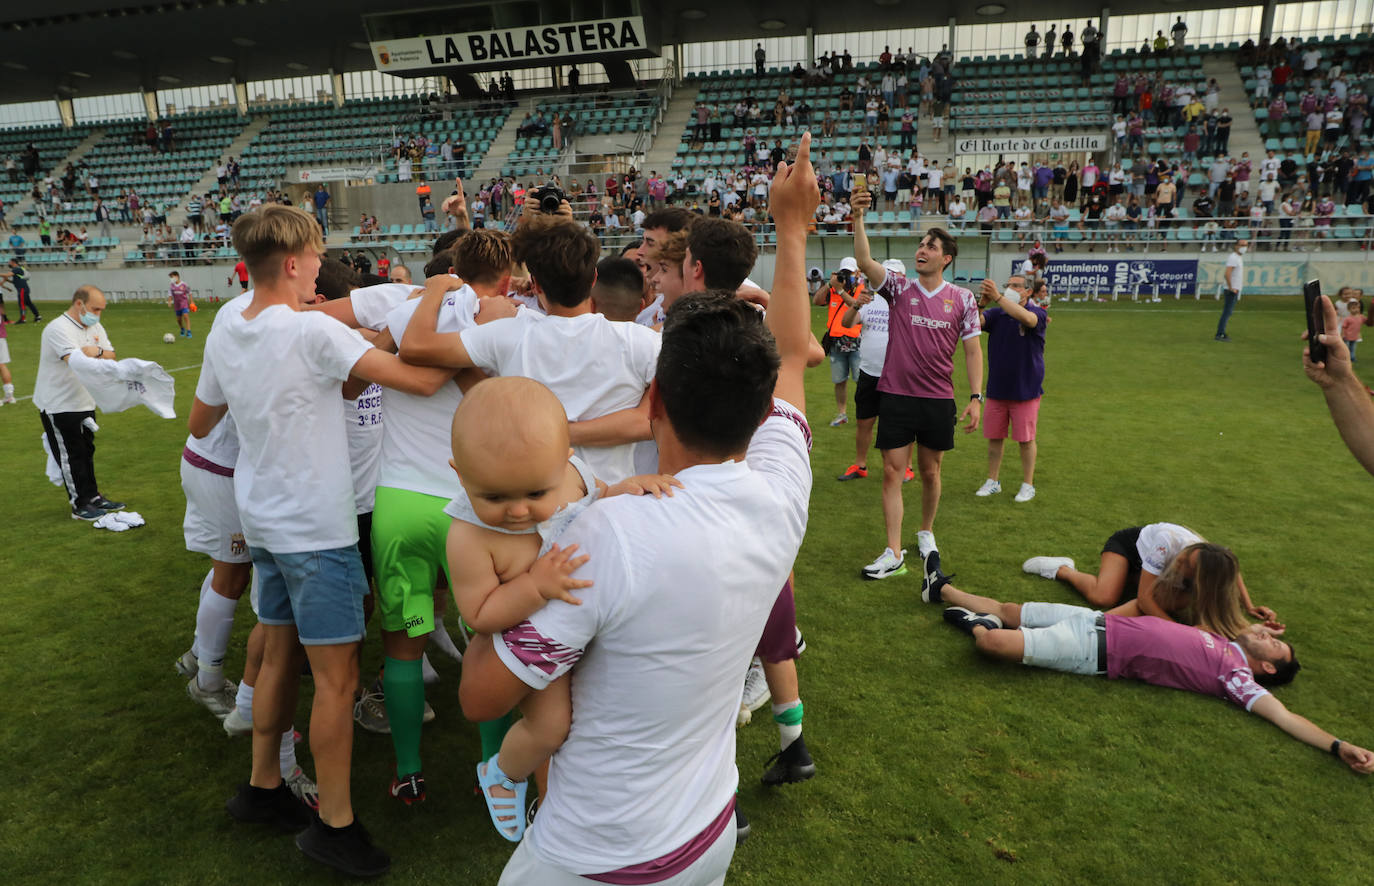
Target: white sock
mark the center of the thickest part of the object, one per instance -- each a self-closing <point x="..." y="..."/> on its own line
<point x="287" y="754"/>
<point x="787" y="734"/>
<point x="214" y="623"/>
<point x="441" y="639"/>
<point x="9" y="391"/>
<point x="204" y="589"/>
<point x="925" y="542"/>
<point x="244" y="701"/>
<point x="427" y="672"/>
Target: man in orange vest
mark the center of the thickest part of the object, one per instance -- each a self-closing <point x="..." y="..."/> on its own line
<point x="842" y="342"/>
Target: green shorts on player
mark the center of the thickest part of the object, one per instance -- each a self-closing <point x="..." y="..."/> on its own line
<point x="409" y="534"/>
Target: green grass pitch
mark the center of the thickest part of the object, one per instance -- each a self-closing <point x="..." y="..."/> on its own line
<point x="934" y="766"/>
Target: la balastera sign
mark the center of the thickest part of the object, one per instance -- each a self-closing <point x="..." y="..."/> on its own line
<point x="1030" y="144"/>
<point x="515" y="46"/>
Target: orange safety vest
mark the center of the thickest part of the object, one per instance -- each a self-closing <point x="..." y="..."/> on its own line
<point x="837" y="309"/>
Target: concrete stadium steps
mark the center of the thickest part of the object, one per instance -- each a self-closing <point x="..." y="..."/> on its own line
<point x="210" y="181"/>
<point x="1245" y="134"/>
<point x="82" y="148"/>
<point x="680" y="108"/>
<point x="504" y="143"/>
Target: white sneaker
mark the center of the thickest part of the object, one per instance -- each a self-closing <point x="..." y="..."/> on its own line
<point x="887" y="564"/>
<point x="1026" y="494"/>
<point x="236" y="724"/>
<point x="841" y="419"/>
<point x="925" y="543"/>
<point x="756" y="693"/>
<point x="218" y="701"/>
<point x="1046" y="567"/>
<point x="989" y="487"/>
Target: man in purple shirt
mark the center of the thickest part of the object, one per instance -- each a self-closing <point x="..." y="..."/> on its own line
<point x="929" y="318"/>
<point x="1016" y="370"/>
<point x="1077" y="640"/>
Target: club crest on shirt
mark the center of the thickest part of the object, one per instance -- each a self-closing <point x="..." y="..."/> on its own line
<point x="237" y="545"/>
<point x="949" y="305"/>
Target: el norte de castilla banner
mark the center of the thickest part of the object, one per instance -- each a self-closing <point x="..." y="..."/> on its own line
<point x="515" y="47"/>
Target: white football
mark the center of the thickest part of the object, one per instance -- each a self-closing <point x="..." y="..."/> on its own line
<point x="169" y="338"/>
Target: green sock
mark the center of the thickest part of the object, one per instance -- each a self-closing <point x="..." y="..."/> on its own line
<point x="492" y="732"/>
<point x="405" y="709"/>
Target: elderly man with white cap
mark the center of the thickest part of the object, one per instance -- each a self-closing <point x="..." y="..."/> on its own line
<point x="872" y="314"/>
<point x="841" y="341"/>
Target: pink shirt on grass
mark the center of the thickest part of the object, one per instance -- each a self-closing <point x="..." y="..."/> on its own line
<point x="924" y="329"/>
<point x="1177" y="656"/>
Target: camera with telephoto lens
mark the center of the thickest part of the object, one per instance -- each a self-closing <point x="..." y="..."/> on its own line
<point x="549" y="197"/>
<point x="845" y="276"/>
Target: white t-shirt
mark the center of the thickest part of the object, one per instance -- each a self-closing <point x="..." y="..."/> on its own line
<point x="364" y="424"/>
<point x="279" y="373"/>
<point x="417" y="432"/>
<point x="56" y="389"/>
<point x="371" y="304"/>
<point x="653" y="314"/>
<point x="1238" y="275"/>
<point x="595" y="367"/>
<point x="659" y="647"/>
<point x="1160" y="542"/>
<point x="873" y="337"/>
<point x="1267" y="191"/>
<point x="221" y="445"/>
<point x="933" y="178"/>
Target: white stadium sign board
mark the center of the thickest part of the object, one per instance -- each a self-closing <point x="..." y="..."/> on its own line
<point x="538" y="43"/>
<point x="1030" y="144"/>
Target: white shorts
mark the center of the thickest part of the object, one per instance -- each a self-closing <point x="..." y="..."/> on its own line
<point x="211" y="525"/>
<point x="4" y="350"/>
<point x="1060" y="637"/>
<point x="708" y="870"/>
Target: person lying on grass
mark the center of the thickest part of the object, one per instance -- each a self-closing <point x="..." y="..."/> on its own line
<point x="1078" y="640"/>
<point x="1133" y="561"/>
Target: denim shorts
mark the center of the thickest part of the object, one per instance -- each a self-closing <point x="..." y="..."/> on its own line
<point x="843" y="365"/>
<point x="320" y="592"/>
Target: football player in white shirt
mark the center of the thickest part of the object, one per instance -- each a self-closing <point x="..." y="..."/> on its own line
<point x="662" y="809"/>
<point x="212" y="527"/>
<point x="280" y="371"/>
<point x="413" y="485"/>
<point x="600" y="370"/>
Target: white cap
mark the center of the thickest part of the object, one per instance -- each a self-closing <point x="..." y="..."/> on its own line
<point x="895" y="265"/>
<point x="849" y="264"/>
<point x="814" y="272"/>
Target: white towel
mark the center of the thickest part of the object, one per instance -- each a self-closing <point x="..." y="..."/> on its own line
<point x="131" y="519"/>
<point x="109" y="522"/>
<point x="51" y="468"/>
<point x="117" y="385"/>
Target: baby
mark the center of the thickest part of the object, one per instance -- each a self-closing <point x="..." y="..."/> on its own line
<point x="520" y="488"/>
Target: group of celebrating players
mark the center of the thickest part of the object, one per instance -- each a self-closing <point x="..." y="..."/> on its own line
<point x="606" y="463"/>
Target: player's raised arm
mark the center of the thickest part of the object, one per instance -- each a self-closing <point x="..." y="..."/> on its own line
<point x="792" y="203"/>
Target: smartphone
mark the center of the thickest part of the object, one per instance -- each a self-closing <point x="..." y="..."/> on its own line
<point x="1311" y="291"/>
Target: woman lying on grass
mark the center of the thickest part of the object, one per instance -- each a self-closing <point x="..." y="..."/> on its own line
<point x="1165" y="570"/>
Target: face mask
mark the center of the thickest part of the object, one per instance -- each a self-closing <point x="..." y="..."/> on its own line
<point x="89" y="319"/>
<point x="1244" y="249"/>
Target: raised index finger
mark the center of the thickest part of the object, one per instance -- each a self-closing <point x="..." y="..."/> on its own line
<point x="803" y="149"/>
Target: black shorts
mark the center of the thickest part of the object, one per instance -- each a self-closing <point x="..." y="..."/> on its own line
<point x="926" y="421"/>
<point x="866" y="397"/>
<point x="1123" y="542"/>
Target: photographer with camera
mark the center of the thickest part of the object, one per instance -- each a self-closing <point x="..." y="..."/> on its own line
<point x="841" y="342"/>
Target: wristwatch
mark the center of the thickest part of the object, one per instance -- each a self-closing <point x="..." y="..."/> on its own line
<point x="978" y="397"/>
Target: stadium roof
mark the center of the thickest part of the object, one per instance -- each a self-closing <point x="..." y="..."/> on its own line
<point x="75" y="48"/>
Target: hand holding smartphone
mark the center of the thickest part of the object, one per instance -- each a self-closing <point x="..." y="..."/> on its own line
<point x="1311" y="292"/>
